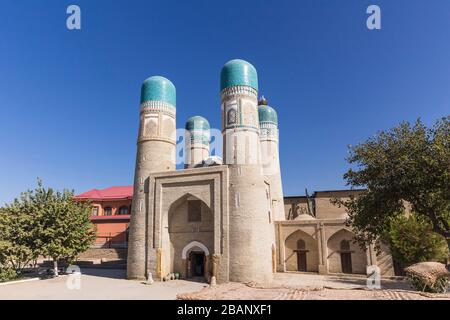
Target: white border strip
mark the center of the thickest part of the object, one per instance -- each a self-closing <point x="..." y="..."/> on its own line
<point x="18" y="281"/>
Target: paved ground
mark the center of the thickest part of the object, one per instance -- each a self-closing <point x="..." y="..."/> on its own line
<point x="296" y="286"/>
<point x="98" y="284"/>
<point x="111" y="284"/>
<point x="309" y="280"/>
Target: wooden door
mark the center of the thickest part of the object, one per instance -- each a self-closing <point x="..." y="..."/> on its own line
<point x="346" y="262"/>
<point x="301" y="260"/>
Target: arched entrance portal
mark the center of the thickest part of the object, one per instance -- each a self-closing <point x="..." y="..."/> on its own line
<point x="196" y="257"/>
<point x="191" y="235"/>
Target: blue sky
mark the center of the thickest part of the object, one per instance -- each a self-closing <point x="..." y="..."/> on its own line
<point x="69" y="100"/>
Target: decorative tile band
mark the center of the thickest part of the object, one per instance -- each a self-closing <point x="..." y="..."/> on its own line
<point x="240" y="128"/>
<point x="199" y="138"/>
<point x="268" y="131"/>
<point x="158" y="106"/>
<point x="238" y="90"/>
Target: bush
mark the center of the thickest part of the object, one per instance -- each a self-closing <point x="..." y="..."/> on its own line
<point x="8" y="274"/>
<point x="439" y="286"/>
<point x="412" y="240"/>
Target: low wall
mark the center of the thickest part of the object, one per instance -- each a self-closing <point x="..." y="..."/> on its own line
<point x="104" y="253"/>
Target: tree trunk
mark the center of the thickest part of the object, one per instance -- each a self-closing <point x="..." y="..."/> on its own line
<point x="448" y="256"/>
<point x="55" y="267"/>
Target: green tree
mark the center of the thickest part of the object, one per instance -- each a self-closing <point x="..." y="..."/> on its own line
<point x="411" y="240"/>
<point x="19" y="242"/>
<point x="45" y="222"/>
<point x="409" y="164"/>
<point x="65" y="227"/>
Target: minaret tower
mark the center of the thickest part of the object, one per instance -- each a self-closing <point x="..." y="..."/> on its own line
<point x="196" y="141"/>
<point x="268" y="135"/>
<point x="250" y="218"/>
<point x="156" y="147"/>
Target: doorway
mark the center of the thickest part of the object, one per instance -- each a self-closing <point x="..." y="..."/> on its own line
<point x="301" y="260"/>
<point x="301" y="255"/>
<point x="346" y="257"/>
<point x="197" y="264"/>
<point x="346" y="262"/>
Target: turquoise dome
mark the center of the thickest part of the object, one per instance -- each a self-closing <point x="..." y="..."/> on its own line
<point x="267" y="114"/>
<point x="197" y="123"/>
<point x="238" y="73"/>
<point x="158" y="88"/>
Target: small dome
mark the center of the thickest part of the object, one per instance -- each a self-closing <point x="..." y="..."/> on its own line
<point x="267" y="114"/>
<point x="238" y="73"/>
<point x="158" y="88"/>
<point x="197" y="123"/>
<point x="304" y="217"/>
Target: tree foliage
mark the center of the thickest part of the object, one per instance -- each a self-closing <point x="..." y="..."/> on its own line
<point x="19" y="238"/>
<point x="411" y="240"/>
<point x="44" y="222"/>
<point x="407" y="166"/>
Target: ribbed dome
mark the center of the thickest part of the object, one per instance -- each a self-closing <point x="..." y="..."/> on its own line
<point x="158" y="88"/>
<point x="197" y="123"/>
<point x="267" y="114"/>
<point x="238" y="73"/>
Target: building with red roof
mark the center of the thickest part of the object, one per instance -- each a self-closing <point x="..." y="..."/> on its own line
<point x="110" y="213"/>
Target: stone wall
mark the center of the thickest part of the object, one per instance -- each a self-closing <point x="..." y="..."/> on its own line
<point x="110" y="254"/>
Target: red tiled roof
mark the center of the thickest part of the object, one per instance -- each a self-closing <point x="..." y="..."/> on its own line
<point x="119" y="192"/>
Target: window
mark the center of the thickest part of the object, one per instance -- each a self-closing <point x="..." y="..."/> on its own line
<point x="231" y="117"/>
<point x="194" y="211"/>
<point x="108" y="211"/>
<point x="345" y="245"/>
<point x="124" y="210"/>
<point x="301" y="245"/>
<point x="95" y="211"/>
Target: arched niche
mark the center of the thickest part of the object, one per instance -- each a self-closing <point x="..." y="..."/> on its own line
<point x="191" y="234"/>
<point x="344" y="255"/>
<point x="301" y="252"/>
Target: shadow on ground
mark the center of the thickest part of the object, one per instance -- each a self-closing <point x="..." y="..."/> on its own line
<point x="105" y="273"/>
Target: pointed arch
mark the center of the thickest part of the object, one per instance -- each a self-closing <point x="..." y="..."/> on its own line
<point x="342" y="231"/>
<point x="301" y="252"/>
<point x="191" y="245"/>
<point x="344" y="255"/>
<point x="185" y="197"/>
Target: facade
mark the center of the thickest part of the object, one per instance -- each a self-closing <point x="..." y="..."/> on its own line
<point x="315" y="238"/>
<point x="229" y="221"/>
<point x="111" y="209"/>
